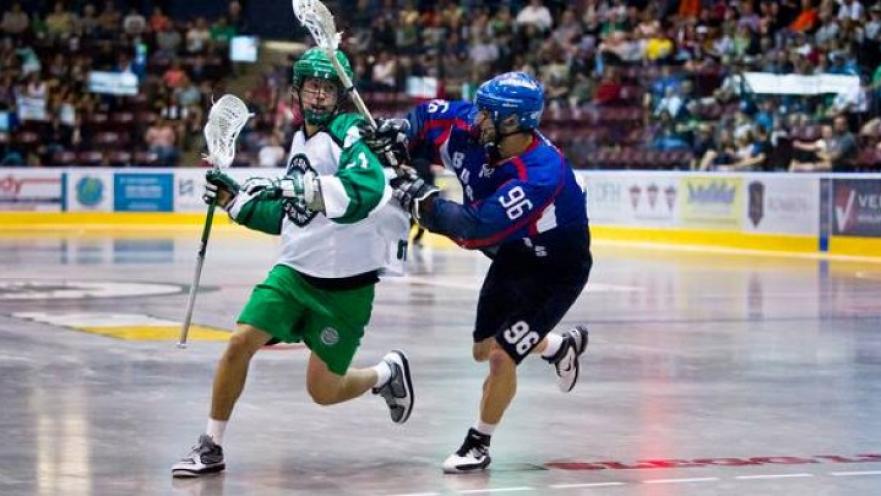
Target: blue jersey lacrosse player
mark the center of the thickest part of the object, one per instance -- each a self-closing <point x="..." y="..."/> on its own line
<point x="523" y="208"/>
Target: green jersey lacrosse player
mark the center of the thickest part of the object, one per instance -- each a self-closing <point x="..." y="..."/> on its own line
<point x="338" y="231"/>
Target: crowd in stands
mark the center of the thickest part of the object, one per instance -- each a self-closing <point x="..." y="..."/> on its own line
<point x="630" y="83"/>
<point x="49" y="115"/>
<point x="647" y="84"/>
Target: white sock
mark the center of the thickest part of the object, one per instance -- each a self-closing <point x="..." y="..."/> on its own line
<point x="383" y="373"/>
<point x="215" y="429"/>
<point x="554" y="342"/>
<point x="484" y="428"/>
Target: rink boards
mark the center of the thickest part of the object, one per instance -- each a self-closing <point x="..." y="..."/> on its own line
<point x="807" y="213"/>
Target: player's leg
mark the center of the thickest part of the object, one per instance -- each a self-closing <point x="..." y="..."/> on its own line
<point x="497" y="295"/>
<point x="206" y="456"/>
<point x="333" y="330"/>
<point x="232" y="370"/>
<point x="269" y="313"/>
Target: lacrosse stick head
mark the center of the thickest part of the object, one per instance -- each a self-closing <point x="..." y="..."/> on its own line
<point x="226" y="119"/>
<point x="319" y="21"/>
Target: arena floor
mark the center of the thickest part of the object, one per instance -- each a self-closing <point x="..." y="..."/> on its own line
<point x="709" y="374"/>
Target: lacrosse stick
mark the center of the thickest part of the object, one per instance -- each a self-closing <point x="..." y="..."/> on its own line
<point x="226" y="119"/>
<point x="316" y="17"/>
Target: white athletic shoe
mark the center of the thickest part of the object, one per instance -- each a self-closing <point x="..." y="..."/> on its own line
<point x="398" y="391"/>
<point x="565" y="361"/>
<point x="204" y="458"/>
<point x="471" y="456"/>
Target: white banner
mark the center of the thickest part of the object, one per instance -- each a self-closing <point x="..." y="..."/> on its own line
<point x="782" y="204"/>
<point x="633" y="199"/>
<point x="794" y="84"/>
<point x="29" y="189"/>
<point x="90" y="190"/>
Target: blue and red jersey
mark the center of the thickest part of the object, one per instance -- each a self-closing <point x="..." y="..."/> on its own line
<point x="521" y="198"/>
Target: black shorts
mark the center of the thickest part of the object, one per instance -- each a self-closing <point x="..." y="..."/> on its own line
<point x="524" y="297"/>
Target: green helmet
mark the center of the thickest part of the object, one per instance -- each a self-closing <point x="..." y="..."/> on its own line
<point x="315" y="64"/>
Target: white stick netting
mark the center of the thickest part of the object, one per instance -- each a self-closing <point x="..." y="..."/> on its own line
<point x="226" y="119"/>
<point x="319" y="21"/>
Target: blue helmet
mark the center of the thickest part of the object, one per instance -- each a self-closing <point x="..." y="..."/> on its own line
<point x="512" y="93"/>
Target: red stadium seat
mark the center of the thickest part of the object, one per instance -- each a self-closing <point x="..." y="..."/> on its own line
<point x="120" y="158"/>
<point x="144" y="158"/>
<point x="64" y="158"/>
<point x="90" y="158"/>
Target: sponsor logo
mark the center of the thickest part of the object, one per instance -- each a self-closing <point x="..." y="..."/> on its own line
<point x="652" y="193"/>
<point x="756" y="202"/>
<point x="10" y="186"/>
<point x="670" y="196"/>
<point x="186" y="187"/>
<point x="635" y="193"/>
<point x="329" y="336"/>
<point x="605" y="192"/>
<point x="30" y="192"/>
<point x="712" y="193"/>
<point x="89" y="191"/>
<point x="857" y="207"/>
<point x="712" y="462"/>
<point x="296" y="209"/>
<point x="143" y="192"/>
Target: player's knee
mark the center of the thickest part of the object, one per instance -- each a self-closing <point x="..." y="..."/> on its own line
<point x="241" y="345"/>
<point x="480" y="353"/>
<point x="321" y="395"/>
<point x="500" y="363"/>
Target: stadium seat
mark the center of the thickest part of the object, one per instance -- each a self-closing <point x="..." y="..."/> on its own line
<point x="90" y="158"/>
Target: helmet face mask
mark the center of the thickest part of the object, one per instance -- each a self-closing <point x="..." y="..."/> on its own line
<point x="311" y="71"/>
<point x="319" y="100"/>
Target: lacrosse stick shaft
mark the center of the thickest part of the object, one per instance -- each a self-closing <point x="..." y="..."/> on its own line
<point x="194" y="287"/>
<point x="358" y="101"/>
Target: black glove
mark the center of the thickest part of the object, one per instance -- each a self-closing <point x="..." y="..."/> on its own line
<point x="220" y="188"/>
<point x="413" y="193"/>
<point x="388" y="140"/>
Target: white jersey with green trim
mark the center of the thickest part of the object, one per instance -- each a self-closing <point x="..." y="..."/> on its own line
<point x="347" y="239"/>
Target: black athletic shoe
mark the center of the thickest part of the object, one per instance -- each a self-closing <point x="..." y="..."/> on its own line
<point x="398" y="391"/>
<point x="204" y="458"/>
<point x="565" y="361"/>
<point x="472" y="455"/>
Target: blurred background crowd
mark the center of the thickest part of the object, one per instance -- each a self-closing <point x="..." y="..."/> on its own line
<point x="647" y="84"/>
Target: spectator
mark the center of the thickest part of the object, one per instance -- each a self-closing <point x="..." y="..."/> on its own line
<point x="383" y="73"/>
<point x="134" y="23"/>
<point x="271" y="154"/>
<point x="174" y="77"/>
<point x="483" y="51"/>
<point x="754" y="152"/>
<point x="159" y="21"/>
<point x="198" y="36"/>
<point x="89" y="22"/>
<point x="15" y="21"/>
<point x="812" y="156"/>
<point x="221" y="32"/>
<point x="720" y="156"/>
<point x="535" y="14"/>
<point x="873" y="27"/>
<point x="60" y="23"/>
<point x="110" y="18"/>
<point x="850" y="9"/>
<point x="160" y="139"/>
<point x="168" y="40"/>
<point x="806" y="19"/>
<point x="842" y="150"/>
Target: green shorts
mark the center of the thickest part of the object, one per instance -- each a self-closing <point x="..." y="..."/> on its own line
<point x="329" y="322"/>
